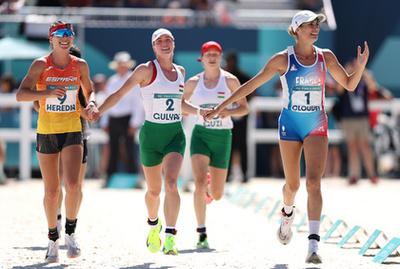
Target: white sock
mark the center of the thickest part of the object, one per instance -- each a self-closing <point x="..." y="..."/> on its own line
<point x="288" y="208"/>
<point x="313" y="226"/>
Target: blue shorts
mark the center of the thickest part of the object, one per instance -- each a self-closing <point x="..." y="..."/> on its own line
<point x="295" y="126"/>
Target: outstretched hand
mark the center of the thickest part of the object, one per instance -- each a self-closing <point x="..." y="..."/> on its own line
<point x="362" y="58"/>
<point x="92" y="113"/>
<point x="210" y="114"/>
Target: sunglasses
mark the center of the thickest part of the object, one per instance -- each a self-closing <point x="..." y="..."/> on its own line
<point x="63" y="32"/>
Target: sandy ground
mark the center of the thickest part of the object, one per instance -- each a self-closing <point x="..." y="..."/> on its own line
<point x="112" y="227"/>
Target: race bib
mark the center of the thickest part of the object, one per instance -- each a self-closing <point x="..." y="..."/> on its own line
<point x="306" y="98"/>
<point x="215" y="122"/>
<point x="167" y="107"/>
<point x="64" y="104"/>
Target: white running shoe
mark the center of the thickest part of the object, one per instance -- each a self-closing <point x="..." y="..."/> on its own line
<point x="52" y="251"/>
<point x="284" y="232"/>
<point x="74" y="250"/>
<point x="312" y="256"/>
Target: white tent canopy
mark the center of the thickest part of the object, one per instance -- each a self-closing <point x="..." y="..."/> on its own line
<point x="18" y="49"/>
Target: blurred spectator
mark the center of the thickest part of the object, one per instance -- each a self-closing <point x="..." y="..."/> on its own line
<point x="2" y="161"/>
<point x="78" y="3"/>
<point x="11" y="6"/>
<point x="381" y="93"/>
<point x="124" y="119"/>
<point x="8" y="114"/>
<point x="203" y="9"/>
<point x="171" y="19"/>
<point x="106" y="3"/>
<point x="355" y="125"/>
<point x="100" y="81"/>
<point x="49" y="3"/>
<point x="238" y="158"/>
<point x="138" y="3"/>
<point x="313" y="5"/>
<point x="275" y="160"/>
<point x="334" y="161"/>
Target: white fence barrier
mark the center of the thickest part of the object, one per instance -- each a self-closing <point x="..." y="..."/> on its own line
<point x="26" y="135"/>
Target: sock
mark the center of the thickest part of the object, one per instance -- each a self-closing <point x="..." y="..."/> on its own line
<point x="53" y="234"/>
<point x="202" y="233"/>
<point x="70" y="226"/>
<point x="169" y="230"/>
<point x="201" y="229"/>
<point x="153" y="223"/>
<point x="313" y="226"/>
<point x="288" y="208"/>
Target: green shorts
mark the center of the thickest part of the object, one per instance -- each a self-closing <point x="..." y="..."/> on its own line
<point x="157" y="140"/>
<point x="214" y="143"/>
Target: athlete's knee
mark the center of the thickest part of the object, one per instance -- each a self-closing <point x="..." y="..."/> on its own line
<point x="217" y="195"/>
<point x="171" y="186"/>
<point x="51" y="195"/>
<point x="313" y="184"/>
<point x="72" y="186"/>
<point x="292" y="187"/>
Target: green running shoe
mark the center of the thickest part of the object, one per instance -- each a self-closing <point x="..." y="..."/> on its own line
<point x="169" y="246"/>
<point x="153" y="239"/>
<point x="203" y="242"/>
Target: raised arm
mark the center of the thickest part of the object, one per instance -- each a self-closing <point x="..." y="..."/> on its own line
<point x="348" y="81"/>
<point x="142" y="74"/>
<point x="278" y="63"/>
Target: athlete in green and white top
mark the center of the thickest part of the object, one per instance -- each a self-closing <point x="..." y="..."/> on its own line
<point x="211" y="140"/>
<point x="162" y="140"/>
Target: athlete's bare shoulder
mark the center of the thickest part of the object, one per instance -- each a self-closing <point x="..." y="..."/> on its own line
<point x="39" y="64"/>
<point x="182" y="69"/>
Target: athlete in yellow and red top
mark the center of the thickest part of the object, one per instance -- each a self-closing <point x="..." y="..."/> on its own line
<point x="60" y="115"/>
<point x="58" y="78"/>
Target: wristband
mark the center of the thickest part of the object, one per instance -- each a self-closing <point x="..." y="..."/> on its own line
<point x="94" y="102"/>
<point x="198" y="112"/>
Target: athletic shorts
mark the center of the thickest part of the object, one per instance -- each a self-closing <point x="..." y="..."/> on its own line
<point x="295" y="126"/>
<point x="54" y="143"/>
<point x="356" y="128"/>
<point x="214" y="143"/>
<point x="157" y="140"/>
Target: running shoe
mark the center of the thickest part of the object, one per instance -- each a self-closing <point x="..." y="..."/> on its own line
<point x="169" y="246"/>
<point x="352" y="180"/>
<point x="74" y="250"/>
<point x="312" y="256"/>
<point x="375" y="180"/>
<point x="209" y="199"/>
<point x="153" y="241"/>
<point x="52" y="251"/>
<point x="203" y="242"/>
<point x="284" y="232"/>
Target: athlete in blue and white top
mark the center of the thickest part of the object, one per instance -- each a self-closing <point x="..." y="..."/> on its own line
<point x="211" y="140"/>
<point x="161" y="140"/>
<point x="302" y="124"/>
<point x="303" y="86"/>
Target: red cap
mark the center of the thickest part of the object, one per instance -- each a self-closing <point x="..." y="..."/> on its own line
<point x="208" y="45"/>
